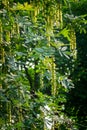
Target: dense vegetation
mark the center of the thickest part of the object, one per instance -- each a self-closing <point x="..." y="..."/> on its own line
<point x="43" y="65"/>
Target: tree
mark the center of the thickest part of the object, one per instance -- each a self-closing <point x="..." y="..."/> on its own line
<point x="37" y="51"/>
<point x="77" y="97"/>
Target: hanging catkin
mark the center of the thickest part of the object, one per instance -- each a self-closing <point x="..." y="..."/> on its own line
<point x="36" y="12"/>
<point x="13" y="29"/>
<point x="1" y="47"/>
<point x="48" y="28"/>
<point x="7" y="36"/>
<point x="41" y="80"/>
<point x="59" y="15"/>
<point x="73" y="42"/>
<point x="53" y="78"/>
<point x="1" y="31"/>
<point x="8" y="109"/>
<point x="17" y="28"/>
<point x="51" y="67"/>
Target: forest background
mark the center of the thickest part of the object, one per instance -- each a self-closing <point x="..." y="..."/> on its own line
<point x="43" y="64"/>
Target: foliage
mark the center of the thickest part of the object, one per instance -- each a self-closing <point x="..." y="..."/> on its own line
<point x="37" y="60"/>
